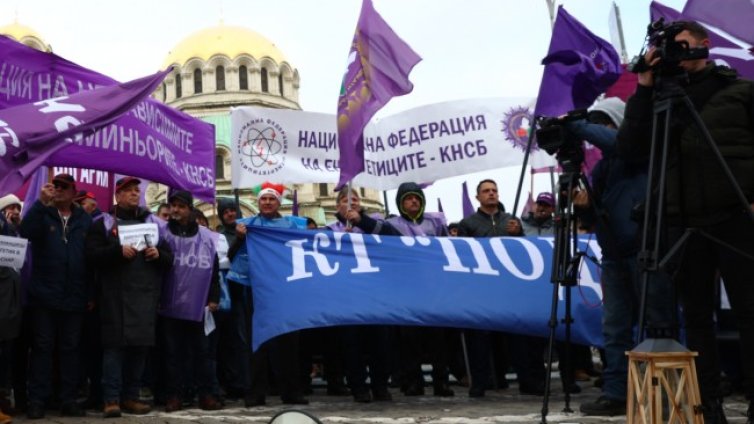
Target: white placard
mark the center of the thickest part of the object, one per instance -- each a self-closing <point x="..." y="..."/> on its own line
<point x="222" y="251"/>
<point x="12" y="251"/>
<point x="139" y="236"/>
<point x="209" y="321"/>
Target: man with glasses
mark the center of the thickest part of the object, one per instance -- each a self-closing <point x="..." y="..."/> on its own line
<point x="58" y="296"/>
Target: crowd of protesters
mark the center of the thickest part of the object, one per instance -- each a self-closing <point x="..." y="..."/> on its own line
<point x="94" y="322"/>
<point x="118" y="327"/>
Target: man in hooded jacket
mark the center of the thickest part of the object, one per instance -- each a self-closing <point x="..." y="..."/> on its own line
<point x="413" y="221"/>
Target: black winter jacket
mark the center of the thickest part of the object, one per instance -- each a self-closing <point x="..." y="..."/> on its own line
<point x="59" y="274"/>
<point x="698" y="193"/>
<point x="129" y="289"/>
<point x="482" y="224"/>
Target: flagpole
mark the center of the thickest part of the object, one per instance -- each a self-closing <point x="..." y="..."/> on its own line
<point x="238" y="203"/>
<point x="551" y="9"/>
<point x="348" y="199"/>
<point x="529" y="143"/>
<point x="623" y="52"/>
<point x="384" y="201"/>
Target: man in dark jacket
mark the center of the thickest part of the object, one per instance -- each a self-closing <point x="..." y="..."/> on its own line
<point x="58" y="293"/>
<point x="190" y="292"/>
<point x="414" y="341"/>
<point x="130" y="279"/>
<point x="491" y="220"/>
<point x="699" y="195"/>
<point x="231" y="366"/>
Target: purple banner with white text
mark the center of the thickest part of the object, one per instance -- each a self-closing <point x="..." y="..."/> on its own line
<point x="151" y="141"/>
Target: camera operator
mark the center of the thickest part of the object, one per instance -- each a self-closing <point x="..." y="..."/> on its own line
<point x="699" y="195"/>
<point x="617" y="186"/>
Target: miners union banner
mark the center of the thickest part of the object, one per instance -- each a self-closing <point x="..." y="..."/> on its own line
<point x="304" y="279"/>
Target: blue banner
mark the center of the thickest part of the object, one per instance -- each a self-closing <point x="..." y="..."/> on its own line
<point x="305" y="279"/>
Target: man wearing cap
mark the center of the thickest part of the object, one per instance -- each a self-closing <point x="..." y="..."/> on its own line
<point x="91" y="343"/>
<point x="414" y="221"/>
<point x="57" y="295"/>
<point x="130" y="280"/>
<point x="539" y="221"/>
<point x="282" y="352"/>
<point x="10" y="303"/>
<point x="617" y="185"/>
<point x="88" y="202"/>
<point x="190" y="292"/>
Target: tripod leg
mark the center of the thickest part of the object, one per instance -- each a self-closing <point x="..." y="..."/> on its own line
<point x="552" y="323"/>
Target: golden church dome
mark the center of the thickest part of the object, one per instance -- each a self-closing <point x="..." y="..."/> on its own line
<point x="23" y="34"/>
<point x="230" y="41"/>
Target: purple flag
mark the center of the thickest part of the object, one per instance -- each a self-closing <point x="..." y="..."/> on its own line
<point x="32" y="132"/>
<point x="152" y="141"/>
<point x="378" y="66"/>
<point x="38" y="180"/>
<point x="466" y="206"/>
<point x="294" y="207"/>
<point x="736" y="17"/>
<point x="722" y="50"/>
<point x="579" y="66"/>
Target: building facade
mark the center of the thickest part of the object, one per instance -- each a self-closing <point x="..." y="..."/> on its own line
<point x="228" y="66"/>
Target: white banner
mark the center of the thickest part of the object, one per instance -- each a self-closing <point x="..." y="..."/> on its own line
<point x="12" y="251"/>
<point x="423" y="145"/>
<point x="139" y="236"/>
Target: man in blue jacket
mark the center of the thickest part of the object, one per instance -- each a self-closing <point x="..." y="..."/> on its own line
<point x="617" y="186"/>
<point x="281" y="352"/>
<point x="58" y="296"/>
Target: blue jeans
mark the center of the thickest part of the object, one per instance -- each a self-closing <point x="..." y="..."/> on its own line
<point x="122" y="369"/>
<point x="621" y="293"/>
<point x="47" y="324"/>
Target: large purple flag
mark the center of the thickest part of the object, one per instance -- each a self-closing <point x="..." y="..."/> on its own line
<point x="31" y="133"/>
<point x="378" y="66"/>
<point x="722" y="50"/>
<point x="736" y="17"/>
<point x="579" y="66"/>
<point x="466" y="207"/>
<point x="152" y="141"/>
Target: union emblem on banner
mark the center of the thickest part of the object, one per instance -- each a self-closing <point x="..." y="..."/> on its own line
<point x="262" y="147"/>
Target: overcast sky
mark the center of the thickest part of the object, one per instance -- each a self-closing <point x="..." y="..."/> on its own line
<point x="470" y="48"/>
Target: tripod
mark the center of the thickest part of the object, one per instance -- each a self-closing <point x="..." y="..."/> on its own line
<point x="566" y="262"/>
<point x="669" y="93"/>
